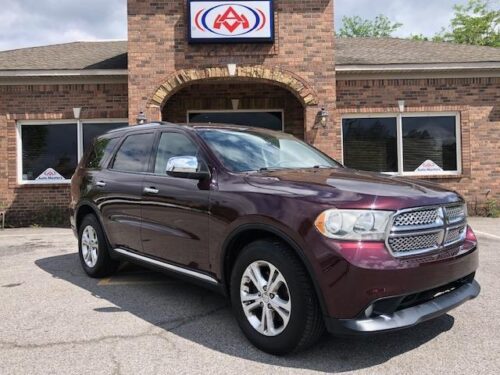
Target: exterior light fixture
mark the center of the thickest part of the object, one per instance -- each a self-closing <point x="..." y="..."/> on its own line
<point x="401" y="104"/>
<point x="77" y="112"/>
<point x="141" y="118"/>
<point x="322" y="119"/>
<point x="232" y="69"/>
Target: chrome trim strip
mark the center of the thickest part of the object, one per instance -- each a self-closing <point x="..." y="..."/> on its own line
<point x="168" y="266"/>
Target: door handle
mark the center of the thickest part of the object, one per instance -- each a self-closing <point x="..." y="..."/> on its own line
<point x="151" y="190"/>
<point x="100" y="184"/>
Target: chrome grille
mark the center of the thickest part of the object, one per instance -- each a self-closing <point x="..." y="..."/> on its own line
<point x="422" y="217"/>
<point x="456" y="213"/>
<point x="429" y="241"/>
<point x="455" y="235"/>
<point x="426" y="229"/>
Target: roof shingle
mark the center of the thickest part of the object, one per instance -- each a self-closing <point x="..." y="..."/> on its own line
<point x="386" y="51"/>
<point x="349" y="51"/>
<point x="69" y="56"/>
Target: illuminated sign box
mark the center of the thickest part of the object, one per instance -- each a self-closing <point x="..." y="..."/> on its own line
<point x="230" y="21"/>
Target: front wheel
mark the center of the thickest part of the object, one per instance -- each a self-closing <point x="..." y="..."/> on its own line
<point x="274" y="300"/>
<point x="93" y="249"/>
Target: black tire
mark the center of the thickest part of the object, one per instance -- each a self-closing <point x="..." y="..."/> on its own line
<point x="306" y="324"/>
<point x="104" y="266"/>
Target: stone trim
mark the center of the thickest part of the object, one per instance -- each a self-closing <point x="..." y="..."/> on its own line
<point x="301" y="89"/>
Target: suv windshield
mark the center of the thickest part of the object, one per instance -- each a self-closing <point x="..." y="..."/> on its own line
<point x="246" y="151"/>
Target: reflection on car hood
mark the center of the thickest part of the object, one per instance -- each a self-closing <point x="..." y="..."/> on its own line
<point x="345" y="188"/>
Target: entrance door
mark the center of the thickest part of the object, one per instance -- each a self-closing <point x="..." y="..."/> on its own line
<point x="272" y="120"/>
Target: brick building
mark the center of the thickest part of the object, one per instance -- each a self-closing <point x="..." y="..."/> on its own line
<point x="418" y="109"/>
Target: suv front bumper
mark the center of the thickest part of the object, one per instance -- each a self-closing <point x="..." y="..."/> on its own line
<point x="408" y="317"/>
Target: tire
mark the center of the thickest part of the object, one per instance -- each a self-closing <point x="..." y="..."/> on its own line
<point x="93" y="249"/>
<point x="296" y="293"/>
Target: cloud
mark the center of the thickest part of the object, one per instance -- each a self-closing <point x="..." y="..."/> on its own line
<point x="25" y="23"/>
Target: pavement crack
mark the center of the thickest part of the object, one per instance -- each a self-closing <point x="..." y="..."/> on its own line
<point x="184" y="321"/>
<point x="15" y="345"/>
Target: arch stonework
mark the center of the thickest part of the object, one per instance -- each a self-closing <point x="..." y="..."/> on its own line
<point x="300" y="88"/>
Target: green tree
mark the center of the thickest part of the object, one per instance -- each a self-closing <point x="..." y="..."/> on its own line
<point x="423" y="38"/>
<point x="381" y="26"/>
<point x="474" y="23"/>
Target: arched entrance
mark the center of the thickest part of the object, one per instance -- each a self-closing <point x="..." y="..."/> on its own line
<point x="262" y="95"/>
<point x="242" y="103"/>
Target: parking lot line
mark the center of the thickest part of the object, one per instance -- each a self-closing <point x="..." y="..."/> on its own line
<point x="487" y="235"/>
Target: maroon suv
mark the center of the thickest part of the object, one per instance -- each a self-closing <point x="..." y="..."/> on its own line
<point x="298" y="242"/>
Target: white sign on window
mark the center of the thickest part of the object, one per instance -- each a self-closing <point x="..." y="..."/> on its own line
<point x="50" y="175"/>
<point x="429" y="166"/>
<point x="231" y="21"/>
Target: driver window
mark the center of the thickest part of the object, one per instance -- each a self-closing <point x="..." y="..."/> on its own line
<point x="173" y="145"/>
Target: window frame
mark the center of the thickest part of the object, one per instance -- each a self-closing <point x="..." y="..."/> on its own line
<point x="399" y="134"/>
<point x="80" y="124"/>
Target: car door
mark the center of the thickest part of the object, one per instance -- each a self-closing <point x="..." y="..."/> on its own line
<point x="120" y="188"/>
<point x="175" y="211"/>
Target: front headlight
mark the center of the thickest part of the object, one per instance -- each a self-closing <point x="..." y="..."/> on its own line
<point x="354" y="225"/>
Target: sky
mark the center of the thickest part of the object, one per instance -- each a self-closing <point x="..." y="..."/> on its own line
<point x="25" y="23"/>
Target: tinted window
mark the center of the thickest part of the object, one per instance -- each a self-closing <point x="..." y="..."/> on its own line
<point x="92" y="131"/>
<point x="242" y="151"/>
<point x="429" y="139"/>
<point x="265" y="120"/>
<point x="100" y="152"/>
<point x="133" y="155"/>
<point x="49" y="152"/>
<point x="172" y="145"/>
<point x="370" y="144"/>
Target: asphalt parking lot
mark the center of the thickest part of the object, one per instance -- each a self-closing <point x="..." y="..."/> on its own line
<point x="56" y="320"/>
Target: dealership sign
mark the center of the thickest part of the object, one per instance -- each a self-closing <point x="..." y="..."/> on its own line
<point x="231" y="21"/>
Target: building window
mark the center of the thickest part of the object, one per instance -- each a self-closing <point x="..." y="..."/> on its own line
<point x="371" y="144"/>
<point x="405" y="144"/>
<point x="48" y="151"/>
<point x="93" y="130"/>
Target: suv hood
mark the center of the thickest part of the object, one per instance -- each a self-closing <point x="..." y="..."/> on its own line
<point x="348" y="188"/>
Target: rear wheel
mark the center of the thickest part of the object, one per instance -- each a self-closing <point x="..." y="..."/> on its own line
<point x="94" y="250"/>
<point x="274" y="299"/>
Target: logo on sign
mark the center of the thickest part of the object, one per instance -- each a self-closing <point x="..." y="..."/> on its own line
<point x="50" y="175"/>
<point x="230" y="20"/>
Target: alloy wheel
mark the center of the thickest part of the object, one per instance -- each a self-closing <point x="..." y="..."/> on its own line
<point x="90" y="246"/>
<point x="265" y="298"/>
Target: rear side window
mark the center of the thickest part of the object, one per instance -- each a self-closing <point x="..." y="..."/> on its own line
<point x="103" y="147"/>
<point x="133" y="154"/>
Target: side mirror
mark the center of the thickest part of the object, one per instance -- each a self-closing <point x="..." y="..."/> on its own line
<point x="188" y="167"/>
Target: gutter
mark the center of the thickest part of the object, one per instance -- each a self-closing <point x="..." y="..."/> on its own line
<point x="418" y="71"/>
<point x="63" y="73"/>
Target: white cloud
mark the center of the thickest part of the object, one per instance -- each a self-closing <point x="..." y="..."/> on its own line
<point x="25" y="23"/>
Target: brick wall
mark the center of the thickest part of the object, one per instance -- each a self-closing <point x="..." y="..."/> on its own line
<point x="158" y="48"/>
<point x="46" y="102"/>
<point x="476" y="99"/>
<point x="251" y="96"/>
